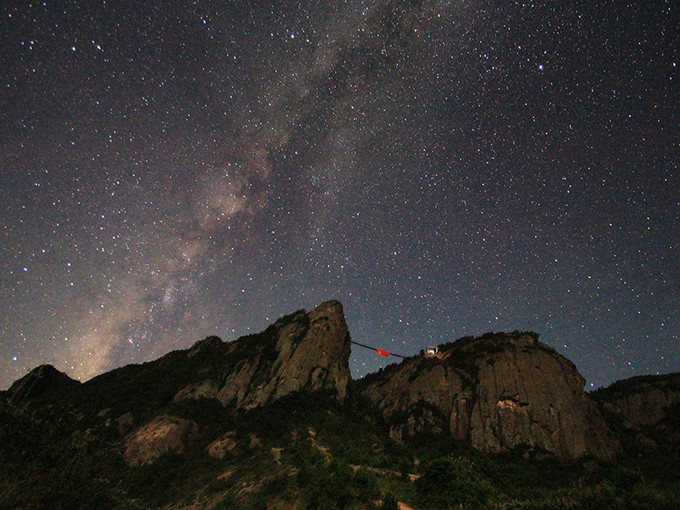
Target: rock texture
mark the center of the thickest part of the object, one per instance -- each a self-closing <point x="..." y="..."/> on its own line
<point x="204" y="389"/>
<point x="220" y="446"/>
<point x="497" y="392"/>
<point x="648" y="407"/>
<point x="164" y="434"/>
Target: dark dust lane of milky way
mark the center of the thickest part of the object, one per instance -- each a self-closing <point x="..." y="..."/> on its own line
<point x="172" y="170"/>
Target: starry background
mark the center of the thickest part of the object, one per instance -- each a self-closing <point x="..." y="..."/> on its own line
<point x="172" y="170"/>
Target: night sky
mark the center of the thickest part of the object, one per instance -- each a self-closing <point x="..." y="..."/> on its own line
<point x="172" y="170"/>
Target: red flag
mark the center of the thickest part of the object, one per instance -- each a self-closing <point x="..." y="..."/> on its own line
<point x="382" y="353"/>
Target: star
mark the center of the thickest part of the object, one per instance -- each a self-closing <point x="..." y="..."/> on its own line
<point x="177" y="173"/>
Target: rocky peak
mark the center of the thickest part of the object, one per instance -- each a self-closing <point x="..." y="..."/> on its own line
<point x="314" y="353"/>
<point x="42" y="379"/>
<point x="300" y="352"/>
<point x="498" y="392"/>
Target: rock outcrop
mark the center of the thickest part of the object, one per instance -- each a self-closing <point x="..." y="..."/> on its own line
<point x="164" y="434"/>
<point x="220" y="446"/>
<point x="497" y="392"/>
<point x="301" y="352"/>
<point x="648" y="407"/>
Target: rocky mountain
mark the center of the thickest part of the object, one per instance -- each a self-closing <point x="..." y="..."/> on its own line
<point x="301" y="351"/>
<point x="276" y="416"/>
<point x="498" y="392"/>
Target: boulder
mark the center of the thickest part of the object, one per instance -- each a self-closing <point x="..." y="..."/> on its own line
<point x="164" y="434"/>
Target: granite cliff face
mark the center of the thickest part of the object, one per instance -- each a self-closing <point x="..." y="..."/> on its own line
<point x="497" y="392"/>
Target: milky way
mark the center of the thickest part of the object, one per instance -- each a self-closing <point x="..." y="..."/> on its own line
<point x="172" y="170"/>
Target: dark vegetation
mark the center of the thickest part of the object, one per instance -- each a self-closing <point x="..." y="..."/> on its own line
<point x="331" y="456"/>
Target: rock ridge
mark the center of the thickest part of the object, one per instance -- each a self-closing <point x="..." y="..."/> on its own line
<point x="497" y="392"/>
<point x="42" y="379"/>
